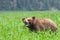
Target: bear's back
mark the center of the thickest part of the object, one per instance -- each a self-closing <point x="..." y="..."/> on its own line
<point x="46" y="23"/>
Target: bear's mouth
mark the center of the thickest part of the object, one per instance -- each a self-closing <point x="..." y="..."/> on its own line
<point x="27" y="24"/>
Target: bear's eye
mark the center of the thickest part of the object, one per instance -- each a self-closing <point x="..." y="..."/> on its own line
<point x="28" y="20"/>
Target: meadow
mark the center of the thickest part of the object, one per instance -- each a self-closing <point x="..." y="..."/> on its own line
<point x="12" y="27"/>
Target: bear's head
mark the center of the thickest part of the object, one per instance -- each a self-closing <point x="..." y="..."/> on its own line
<point x="28" y="21"/>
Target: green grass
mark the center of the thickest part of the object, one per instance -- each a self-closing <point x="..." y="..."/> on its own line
<point x="12" y="27"/>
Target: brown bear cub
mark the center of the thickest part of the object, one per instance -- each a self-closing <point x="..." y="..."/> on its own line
<point x="39" y="24"/>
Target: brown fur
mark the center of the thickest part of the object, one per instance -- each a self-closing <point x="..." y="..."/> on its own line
<point x="40" y="24"/>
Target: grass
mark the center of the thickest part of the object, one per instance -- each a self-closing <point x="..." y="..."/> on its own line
<point x="12" y="27"/>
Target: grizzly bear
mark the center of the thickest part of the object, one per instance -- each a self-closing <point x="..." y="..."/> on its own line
<point x="39" y="24"/>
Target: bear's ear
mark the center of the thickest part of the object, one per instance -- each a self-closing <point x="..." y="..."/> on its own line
<point x="33" y="17"/>
<point x="23" y="19"/>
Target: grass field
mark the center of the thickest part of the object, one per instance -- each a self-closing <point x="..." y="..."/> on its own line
<point x="12" y="27"/>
